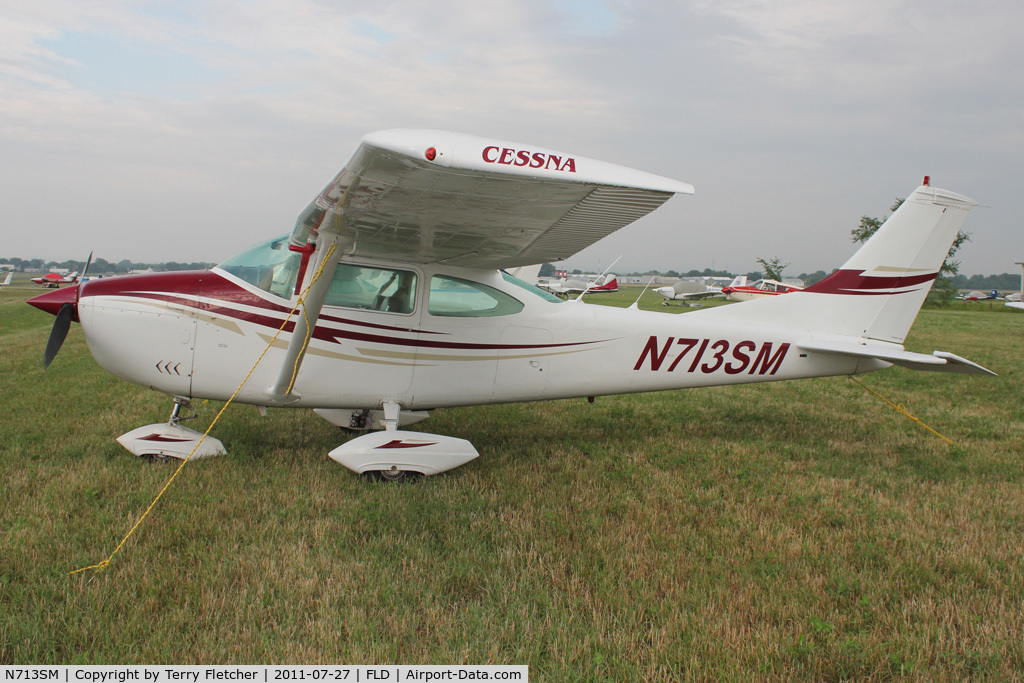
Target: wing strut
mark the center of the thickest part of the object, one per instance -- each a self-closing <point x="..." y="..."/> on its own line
<point x="316" y="291"/>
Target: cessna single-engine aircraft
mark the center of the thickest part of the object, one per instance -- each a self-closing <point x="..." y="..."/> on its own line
<point x="759" y="289"/>
<point x="395" y="268"/>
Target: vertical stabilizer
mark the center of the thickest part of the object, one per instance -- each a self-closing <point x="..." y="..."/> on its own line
<point x="878" y="292"/>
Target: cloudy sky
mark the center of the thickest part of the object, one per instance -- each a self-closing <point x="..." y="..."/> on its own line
<point x="189" y="130"/>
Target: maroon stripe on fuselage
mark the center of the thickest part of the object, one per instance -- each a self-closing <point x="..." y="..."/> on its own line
<point x="855" y="283"/>
<point x="167" y="287"/>
<point x="333" y="335"/>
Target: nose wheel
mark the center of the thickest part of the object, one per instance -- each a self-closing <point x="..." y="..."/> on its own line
<point x="171" y="439"/>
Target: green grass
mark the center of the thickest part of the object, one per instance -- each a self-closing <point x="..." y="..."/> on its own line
<point x="790" y="531"/>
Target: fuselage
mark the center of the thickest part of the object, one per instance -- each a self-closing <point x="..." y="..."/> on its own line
<point x="199" y="334"/>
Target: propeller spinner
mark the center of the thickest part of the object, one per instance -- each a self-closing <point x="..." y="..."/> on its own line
<point x="63" y="303"/>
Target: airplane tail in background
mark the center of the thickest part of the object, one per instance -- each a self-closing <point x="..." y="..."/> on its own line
<point x="879" y="291"/>
<point x="6" y="282"/>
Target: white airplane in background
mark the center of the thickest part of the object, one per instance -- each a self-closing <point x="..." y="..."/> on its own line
<point x="7" y="280"/>
<point x="693" y="291"/>
<point x="403" y="308"/>
<point x="574" y="285"/>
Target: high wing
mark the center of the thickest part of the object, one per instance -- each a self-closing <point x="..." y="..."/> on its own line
<point x="427" y="196"/>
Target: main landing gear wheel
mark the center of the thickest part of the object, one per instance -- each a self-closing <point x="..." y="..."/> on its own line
<point x="393" y="475"/>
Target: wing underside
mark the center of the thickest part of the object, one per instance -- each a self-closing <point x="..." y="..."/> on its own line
<point x="465" y="206"/>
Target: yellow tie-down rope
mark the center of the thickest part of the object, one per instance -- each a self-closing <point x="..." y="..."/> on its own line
<point x="903" y="411"/>
<point x="309" y="330"/>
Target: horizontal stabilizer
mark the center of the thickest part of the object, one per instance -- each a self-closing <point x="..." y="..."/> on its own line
<point x="938" y="361"/>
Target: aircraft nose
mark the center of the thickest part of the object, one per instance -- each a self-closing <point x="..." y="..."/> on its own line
<point x="52" y="301"/>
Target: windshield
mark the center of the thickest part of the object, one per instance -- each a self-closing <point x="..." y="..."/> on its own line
<point x="268" y="265"/>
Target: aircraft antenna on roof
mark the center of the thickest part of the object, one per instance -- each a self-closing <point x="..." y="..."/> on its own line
<point x="636" y="304"/>
<point x="580" y="297"/>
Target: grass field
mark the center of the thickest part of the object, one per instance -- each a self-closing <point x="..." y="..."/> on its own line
<point x="791" y="531"/>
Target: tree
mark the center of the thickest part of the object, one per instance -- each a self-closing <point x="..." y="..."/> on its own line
<point x="944" y="288"/>
<point x="773" y="268"/>
<point x="813" y="278"/>
<point x="547" y="270"/>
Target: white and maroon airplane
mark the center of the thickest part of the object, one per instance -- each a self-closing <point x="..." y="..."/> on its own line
<point x="54" y="280"/>
<point x="395" y="268"/>
<point x="739" y="290"/>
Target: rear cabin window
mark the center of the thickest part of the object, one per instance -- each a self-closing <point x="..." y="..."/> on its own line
<point x="372" y="288"/>
<point x="547" y="296"/>
<point x="455" y="297"/>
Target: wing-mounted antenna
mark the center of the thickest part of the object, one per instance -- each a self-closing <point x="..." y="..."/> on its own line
<point x="636" y="304"/>
<point x="580" y="297"/>
<point x="310" y="304"/>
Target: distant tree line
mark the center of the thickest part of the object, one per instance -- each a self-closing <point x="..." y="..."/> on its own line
<point x="1009" y="281"/>
<point x="101" y="266"/>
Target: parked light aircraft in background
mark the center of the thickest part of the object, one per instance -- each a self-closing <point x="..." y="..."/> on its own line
<point x="757" y="290"/>
<point x="54" y="280"/>
<point x="403" y="308"/>
<point x="7" y="280"/>
<point x="1015" y="304"/>
<point x="576" y="285"/>
<point x="981" y="296"/>
<point x="694" y="291"/>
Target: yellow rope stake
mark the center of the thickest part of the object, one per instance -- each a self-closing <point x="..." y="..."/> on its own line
<point x="299" y="302"/>
<point x="900" y="409"/>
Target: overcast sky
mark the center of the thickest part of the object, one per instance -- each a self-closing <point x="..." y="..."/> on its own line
<point x="187" y="131"/>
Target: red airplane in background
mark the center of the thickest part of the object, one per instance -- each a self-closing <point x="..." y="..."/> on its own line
<point x="55" y="280"/>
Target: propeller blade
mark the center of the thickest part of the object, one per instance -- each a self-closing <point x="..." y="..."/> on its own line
<point x="85" y="271"/>
<point x="59" y="332"/>
<point x="81" y="280"/>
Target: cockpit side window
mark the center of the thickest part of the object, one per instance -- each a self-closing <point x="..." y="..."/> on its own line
<point x="268" y="265"/>
<point x="455" y="297"/>
<point x="372" y="288"/>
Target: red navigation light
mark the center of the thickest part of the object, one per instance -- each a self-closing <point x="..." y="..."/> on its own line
<point x="431" y="154"/>
<point x="927" y="180"/>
